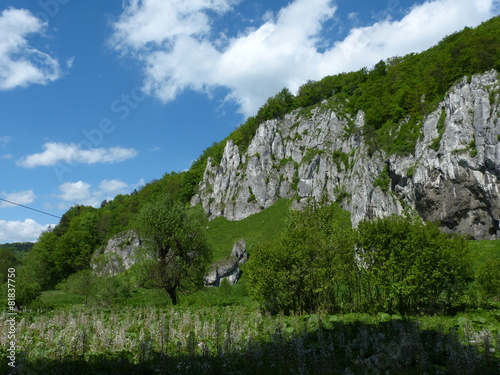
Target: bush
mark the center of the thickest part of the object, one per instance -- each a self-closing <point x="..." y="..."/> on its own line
<point x="396" y="265"/>
<point x="97" y="290"/>
<point x="409" y="266"/>
<point x="302" y="270"/>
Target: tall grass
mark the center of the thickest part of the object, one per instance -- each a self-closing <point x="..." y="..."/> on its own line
<point x="239" y="340"/>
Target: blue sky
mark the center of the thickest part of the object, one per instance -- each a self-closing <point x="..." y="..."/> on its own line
<point x="99" y="97"/>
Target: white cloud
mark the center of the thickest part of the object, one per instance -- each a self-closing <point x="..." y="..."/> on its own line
<point x="20" y="63"/>
<point x="175" y="42"/>
<point x="77" y="193"/>
<point x="72" y="153"/>
<point x="20" y="197"/>
<point x="21" y="231"/>
<point x="112" y="186"/>
<point x="157" y="22"/>
<point x="83" y="193"/>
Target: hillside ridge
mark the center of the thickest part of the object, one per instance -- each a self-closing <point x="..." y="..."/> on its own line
<point x="322" y="153"/>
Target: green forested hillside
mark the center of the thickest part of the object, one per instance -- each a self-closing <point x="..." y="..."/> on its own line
<point x="395" y="95"/>
<point x="19" y="249"/>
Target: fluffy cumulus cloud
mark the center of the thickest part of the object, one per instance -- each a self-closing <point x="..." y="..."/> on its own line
<point x="21" y="64"/>
<point x="112" y="186"/>
<point x="83" y="193"/>
<point x="155" y="22"/>
<point x="21" y="231"/>
<point x="73" y="154"/>
<point x="20" y="197"/>
<point x="77" y="193"/>
<point x="180" y="49"/>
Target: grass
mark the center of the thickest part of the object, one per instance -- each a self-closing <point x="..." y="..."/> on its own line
<point x="481" y="250"/>
<point x="61" y="298"/>
<point x="147" y="297"/>
<point x="222" y="233"/>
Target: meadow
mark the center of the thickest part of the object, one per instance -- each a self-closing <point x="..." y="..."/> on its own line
<point x="242" y="340"/>
<point x="223" y="331"/>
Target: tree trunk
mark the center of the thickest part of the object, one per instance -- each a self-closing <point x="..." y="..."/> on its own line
<point x="173" y="295"/>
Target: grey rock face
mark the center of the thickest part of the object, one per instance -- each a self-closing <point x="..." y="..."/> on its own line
<point x="452" y="177"/>
<point x="118" y="255"/>
<point x="228" y="268"/>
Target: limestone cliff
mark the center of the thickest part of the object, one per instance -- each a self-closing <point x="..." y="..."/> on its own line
<point x="452" y="177"/>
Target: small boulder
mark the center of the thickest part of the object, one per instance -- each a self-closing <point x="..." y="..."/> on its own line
<point x="240" y="251"/>
<point x="228" y="268"/>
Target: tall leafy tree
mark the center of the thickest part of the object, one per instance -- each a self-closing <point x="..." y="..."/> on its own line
<point x="175" y="242"/>
<point x="308" y="266"/>
<point x="410" y="266"/>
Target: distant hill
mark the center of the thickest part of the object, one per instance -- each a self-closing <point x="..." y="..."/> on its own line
<point x="19" y="249"/>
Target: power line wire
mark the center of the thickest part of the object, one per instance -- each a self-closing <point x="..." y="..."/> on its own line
<point x="29" y="208"/>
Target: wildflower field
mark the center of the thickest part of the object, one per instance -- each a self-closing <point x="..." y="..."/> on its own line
<point x="242" y="340"/>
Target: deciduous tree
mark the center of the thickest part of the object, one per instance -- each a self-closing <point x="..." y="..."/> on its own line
<point x="175" y="241"/>
<point x="309" y="266"/>
<point x="410" y="266"/>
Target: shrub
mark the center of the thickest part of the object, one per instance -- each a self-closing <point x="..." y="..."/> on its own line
<point x="383" y="180"/>
<point x="411" y="266"/>
<point x="301" y="270"/>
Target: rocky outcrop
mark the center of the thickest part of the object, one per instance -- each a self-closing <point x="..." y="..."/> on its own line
<point x="228" y="268"/>
<point x="118" y="255"/>
<point x="452" y="177"/>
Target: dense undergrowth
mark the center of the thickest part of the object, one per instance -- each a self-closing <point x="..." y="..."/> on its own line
<point x="242" y="340"/>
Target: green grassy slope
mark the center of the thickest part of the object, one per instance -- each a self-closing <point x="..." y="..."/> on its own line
<point x="483" y="250"/>
<point x="222" y="233"/>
